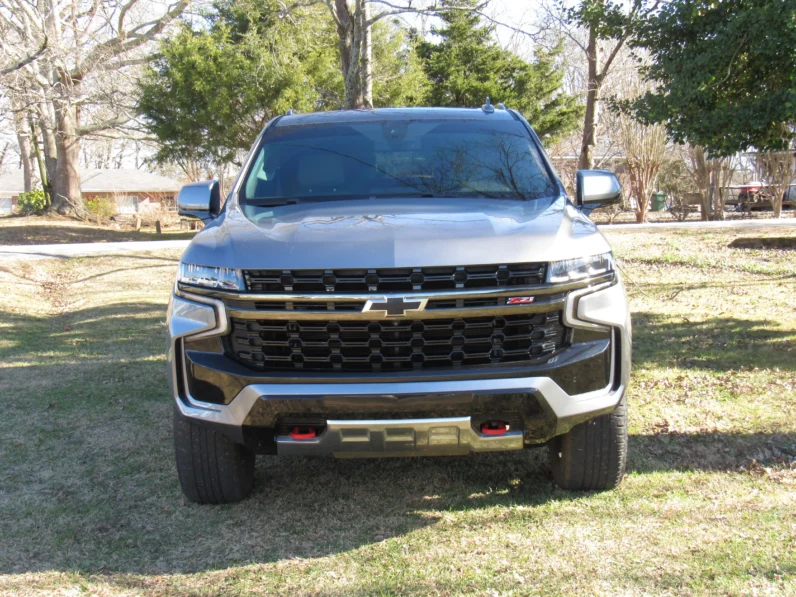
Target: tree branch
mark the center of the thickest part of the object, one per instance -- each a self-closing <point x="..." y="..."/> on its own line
<point x="25" y="61"/>
<point x="129" y="40"/>
<point x="104" y="124"/>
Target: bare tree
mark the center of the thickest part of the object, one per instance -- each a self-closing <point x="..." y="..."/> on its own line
<point x="24" y="60"/>
<point x="778" y="170"/>
<point x="23" y="141"/>
<point x="711" y="175"/>
<point x="645" y="149"/>
<point x="644" y="146"/>
<point x="75" y="85"/>
<point x="4" y="154"/>
<point x="599" y="30"/>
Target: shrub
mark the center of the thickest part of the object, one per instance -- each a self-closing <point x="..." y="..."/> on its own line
<point x="33" y="202"/>
<point x="104" y="208"/>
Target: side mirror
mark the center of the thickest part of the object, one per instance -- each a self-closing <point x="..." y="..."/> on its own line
<point x="200" y="200"/>
<point x="596" y="188"/>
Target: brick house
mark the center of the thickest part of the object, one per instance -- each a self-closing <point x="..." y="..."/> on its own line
<point x="132" y="190"/>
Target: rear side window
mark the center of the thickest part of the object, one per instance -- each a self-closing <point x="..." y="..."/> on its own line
<point x="397" y="158"/>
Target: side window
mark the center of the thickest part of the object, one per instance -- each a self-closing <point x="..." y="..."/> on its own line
<point x="257" y="174"/>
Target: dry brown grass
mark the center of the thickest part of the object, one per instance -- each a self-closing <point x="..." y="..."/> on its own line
<point x="628" y="216"/>
<point x="53" y="229"/>
<point x="89" y="502"/>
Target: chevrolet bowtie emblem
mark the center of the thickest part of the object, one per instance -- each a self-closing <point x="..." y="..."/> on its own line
<point x="395" y="306"/>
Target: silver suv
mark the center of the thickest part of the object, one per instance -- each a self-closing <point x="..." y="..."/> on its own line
<point x="397" y="282"/>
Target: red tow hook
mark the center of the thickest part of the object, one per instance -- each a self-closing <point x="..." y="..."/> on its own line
<point x="302" y="433"/>
<point x="494" y="428"/>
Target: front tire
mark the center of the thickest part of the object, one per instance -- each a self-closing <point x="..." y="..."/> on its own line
<point x="212" y="468"/>
<point x="592" y="456"/>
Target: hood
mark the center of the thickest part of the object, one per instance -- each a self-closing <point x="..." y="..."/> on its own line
<point x="397" y="233"/>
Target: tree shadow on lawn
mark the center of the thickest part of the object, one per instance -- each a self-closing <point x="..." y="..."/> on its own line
<point x="40" y="234"/>
<point x="97" y="491"/>
<point x="716" y="344"/>
<point x="312" y="508"/>
<point x="127" y="327"/>
<point x="709" y="451"/>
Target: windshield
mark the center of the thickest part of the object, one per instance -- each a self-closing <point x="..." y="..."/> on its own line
<point x="420" y="158"/>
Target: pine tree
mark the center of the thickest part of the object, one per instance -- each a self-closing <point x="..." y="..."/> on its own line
<point x="468" y="65"/>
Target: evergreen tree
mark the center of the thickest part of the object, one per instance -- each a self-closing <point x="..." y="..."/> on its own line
<point x="725" y="73"/>
<point x="467" y="65"/>
<point x="212" y="88"/>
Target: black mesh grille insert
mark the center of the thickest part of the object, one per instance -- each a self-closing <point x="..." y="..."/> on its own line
<point x="394" y="279"/>
<point x="390" y="345"/>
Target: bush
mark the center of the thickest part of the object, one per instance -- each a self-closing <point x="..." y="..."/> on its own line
<point x="104" y="208"/>
<point x="32" y="202"/>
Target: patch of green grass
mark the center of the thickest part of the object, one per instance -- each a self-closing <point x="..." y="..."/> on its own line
<point x="89" y="499"/>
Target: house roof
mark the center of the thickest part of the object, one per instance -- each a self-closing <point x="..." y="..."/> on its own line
<point x="102" y="181"/>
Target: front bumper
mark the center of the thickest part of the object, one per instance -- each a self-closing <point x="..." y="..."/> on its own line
<point x="450" y="410"/>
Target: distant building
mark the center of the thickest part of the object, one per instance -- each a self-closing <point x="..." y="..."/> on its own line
<point x="130" y="189"/>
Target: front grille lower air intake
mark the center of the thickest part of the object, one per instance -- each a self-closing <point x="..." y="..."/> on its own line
<point x="391" y="345"/>
<point x="394" y="279"/>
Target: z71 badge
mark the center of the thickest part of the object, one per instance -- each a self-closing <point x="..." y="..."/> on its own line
<point x="519" y="300"/>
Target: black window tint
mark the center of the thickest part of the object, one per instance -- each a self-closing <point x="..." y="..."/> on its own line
<point x="395" y="158"/>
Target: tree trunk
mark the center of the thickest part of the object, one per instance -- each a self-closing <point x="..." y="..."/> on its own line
<point x="353" y="78"/>
<point x="642" y="202"/>
<point x="67" y="198"/>
<point x="23" y="140"/>
<point x="702" y="179"/>
<point x="586" y="159"/>
<point x="366" y="64"/>
<point x="39" y="160"/>
<point x="777" y="192"/>
<point x="24" y="157"/>
<point x="50" y="152"/>
<point x="354" y="42"/>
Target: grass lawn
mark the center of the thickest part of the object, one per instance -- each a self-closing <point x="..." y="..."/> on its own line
<point x="90" y="504"/>
<point x="46" y="230"/>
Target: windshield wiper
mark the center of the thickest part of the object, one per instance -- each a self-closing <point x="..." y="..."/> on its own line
<point x="272" y="202"/>
<point x="277" y="201"/>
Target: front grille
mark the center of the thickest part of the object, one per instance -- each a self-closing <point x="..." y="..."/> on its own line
<point x="394" y="279"/>
<point x="479" y="302"/>
<point x="405" y="344"/>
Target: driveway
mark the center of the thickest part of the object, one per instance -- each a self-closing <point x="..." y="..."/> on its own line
<point x="22" y="252"/>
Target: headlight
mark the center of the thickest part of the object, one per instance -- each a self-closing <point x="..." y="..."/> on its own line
<point x="569" y="270"/>
<point x="211" y="277"/>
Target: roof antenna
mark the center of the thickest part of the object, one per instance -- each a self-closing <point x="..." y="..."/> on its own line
<point x="501" y="106"/>
<point x="289" y="112"/>
<point x="488" y="108"/>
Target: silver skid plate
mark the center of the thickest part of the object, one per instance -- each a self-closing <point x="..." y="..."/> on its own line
<point x="401" y="437"/>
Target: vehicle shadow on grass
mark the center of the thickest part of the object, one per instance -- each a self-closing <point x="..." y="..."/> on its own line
<point x="137" y="522"/>
<point x="715" y="344"/>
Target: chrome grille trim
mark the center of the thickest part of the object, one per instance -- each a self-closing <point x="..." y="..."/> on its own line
<point x="541" y="306"/>
<point x="534" y="290"/>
